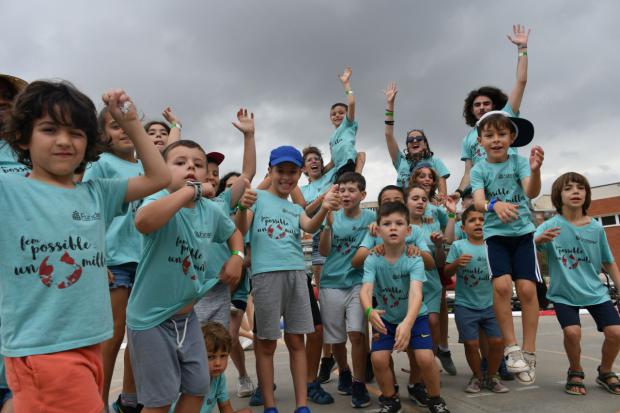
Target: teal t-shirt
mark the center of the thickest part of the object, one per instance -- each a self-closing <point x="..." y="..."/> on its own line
<point x="319" y="186"/>
<point x="575" y="259"/>
<point x="173" y="269"/>
<point x="347" y="234"/>
<point x="218" y="393"/>
<point x="471" y="149"/>
<point x="458" y="231"/>
<point x="275" y="234"/>
<point x="8" y="162"/>
<point x="405" y="167"/>
<point x="123" y="240"/>
<point x="438" y="213"/>
<point x="218" y="253"/>
<point x="433" y="282"/>
<point x="415" y="238"/>
<point x="391" y="284"/>
<point x="53" y="278"/>
<point x="502" y="181"/>
<point x="342" y="143"/>
<point x="473" y="285"/>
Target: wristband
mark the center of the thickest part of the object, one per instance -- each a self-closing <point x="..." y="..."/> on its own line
<point x="491" y="205"/>
<point x="368" y="311"/>
<point x="327" y="228"/>
<point x="197" y="190"/>
<point x="389" y="122"/>
<point x="451" y="215"/>
<point x="238" y="253"/>
<point x="240" y="207"/>
<point x="521" y="54"/>
<point x="389" y="112"/>
<point x="348" y="92"/>
<point x="175" y="125"/>
<point x="459" y="191"/>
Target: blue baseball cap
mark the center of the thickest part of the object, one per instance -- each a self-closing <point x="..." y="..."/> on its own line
<point x="283" y="154"/>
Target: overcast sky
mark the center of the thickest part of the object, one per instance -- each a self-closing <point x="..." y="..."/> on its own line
<point x="281" y="60"/>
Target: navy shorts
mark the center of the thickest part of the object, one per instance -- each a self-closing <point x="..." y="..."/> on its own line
<point x="604" y="314"/>
<point x="469" y="321"/>
<point x="124" y="275"/>
<point x="421" y="338"/>
<point x="513" y="255"/>
<point x="5" y="396"/>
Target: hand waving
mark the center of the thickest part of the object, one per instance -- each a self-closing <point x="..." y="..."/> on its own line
<point x="519" y="36"/>
<point x="245" y="122"/>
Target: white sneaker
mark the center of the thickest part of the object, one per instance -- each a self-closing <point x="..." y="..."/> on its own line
<point x="246" y="343"/>
<point x="515" y="363"/>
<point x="245" y="387"/>
<point x="528" y="377"/>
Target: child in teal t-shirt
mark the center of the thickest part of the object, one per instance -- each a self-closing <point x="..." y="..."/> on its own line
<point x="577" y="249"/>
<point x="342" y="141"/>
<point x="502" y="185"/>
<point x="400" y="318"/>
<point x="473" y="306"/>
<point x="54" y="283"/>
<point x="179" y="225"/>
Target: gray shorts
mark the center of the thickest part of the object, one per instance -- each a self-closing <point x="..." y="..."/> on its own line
<point x="169" y="359"/>
<point x="277" y="294"/>
<point x="214" y="305"/>
<point x="341" y="312"/>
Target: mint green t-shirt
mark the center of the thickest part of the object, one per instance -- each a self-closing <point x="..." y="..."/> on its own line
<point x="342" y="143"/>
<point x="415" y="238"/>
<point x="438" y="213"/>
<point x="471" y="149"/>
<point x="275" y="235"/>
<point x="575" y="258"/>
<point x="391" y="284"/>
<point x="172" y="272"/>
<point x="404" y="168"/>
<point x="312" y="190"/>
<point x="502" y="181"/>
<point x="458" y="231"/>
<point x="218" y="253"/>
<point x="473" y="285"/>
<point x="8" y="161"/>
<point x="347" y="234"/>
<point x="218" y="393"/>
<point x="433" y="282"/>
<point x="123" y="241"/>
<point x="53" y="280"/>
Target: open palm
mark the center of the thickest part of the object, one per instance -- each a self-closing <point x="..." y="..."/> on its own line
<point x="519" y="35"/>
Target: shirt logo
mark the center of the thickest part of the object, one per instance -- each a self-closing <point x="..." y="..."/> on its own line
<point x="81" y="216"/>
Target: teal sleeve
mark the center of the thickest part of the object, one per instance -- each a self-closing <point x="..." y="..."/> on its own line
<point x="453" y="254"/>
<point x="416" y="270"/>
<point x="222" y="391"/>
<point x="523" y="167"/>
<point x="442" y="216"/>
<point x="369" y="270"/>
<point x="465" y="155"/>
<point x="93" y="170"/>
<point x="508" y="109"/>
<point x="224" y="227"/>
<point x="113" y="193"/>
<point x="368" y="241"/>
<point x="476" y="178"/>
<point x="421" y="243"/>
<point x="606" y="255"/>
<point x="399" y="159"/>
<point x="544" y="248"/>
<point x="441" y="168"/>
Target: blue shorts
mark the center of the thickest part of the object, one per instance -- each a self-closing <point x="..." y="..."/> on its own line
<point x="421" y="338"/>
<point x="469" y="321"/>
<point x="317" y="258"/>
<point x="604" y="314"/>
<point x="124" y="275"/>
<point x="239" y="297"/>
<point x="515" y="256"/>
<point x="5" y="396"/>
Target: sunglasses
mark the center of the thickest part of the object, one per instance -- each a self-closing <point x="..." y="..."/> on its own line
<point x="412" y="139"/>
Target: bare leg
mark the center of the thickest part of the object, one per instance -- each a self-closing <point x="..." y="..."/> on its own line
<point x="526" y="291"/>
<point x="472" y="354"/>
<point x="572" y="346"/>
<point x="188" y="404"/>
<point x="495" y="355"/>
<point x="236" y="351"/>
<point x="297" y="357"/>
<point x="358" y="355"/>
<point x="381" y="366"/>
<point x="430" y="372"/>
<point x="611" y="346"/>
<point x="264" y="350"/>
<point x="339" y="351"/>
<point x="111" y="347"/>
<point x="443" y="321"/>
<point x="502" y="304"/>
<point x="314" y="345"/>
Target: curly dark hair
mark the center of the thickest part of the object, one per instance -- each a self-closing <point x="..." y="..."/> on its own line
<point x="65" y="105"/>
<point x="222" y="186"/>
<point x="498" y="98"/>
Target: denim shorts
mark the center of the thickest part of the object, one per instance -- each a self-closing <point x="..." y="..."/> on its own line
<point x="469" y="321"/>
<point x="421" y="338"/>
<point x="124" y="275"/>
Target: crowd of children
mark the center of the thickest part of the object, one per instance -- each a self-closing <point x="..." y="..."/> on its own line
<point x="119" y="229"/>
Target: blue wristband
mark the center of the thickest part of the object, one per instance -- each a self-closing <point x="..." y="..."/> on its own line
<point x="492" y="205"/>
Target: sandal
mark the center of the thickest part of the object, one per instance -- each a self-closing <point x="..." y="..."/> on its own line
<point x="603" y="381"/>
<point x="570" y="383"/>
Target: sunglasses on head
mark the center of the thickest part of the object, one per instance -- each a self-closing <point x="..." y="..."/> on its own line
<point x="411" y="139"/>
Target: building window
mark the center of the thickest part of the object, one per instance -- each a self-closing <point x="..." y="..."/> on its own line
<point x="609" y="220"/>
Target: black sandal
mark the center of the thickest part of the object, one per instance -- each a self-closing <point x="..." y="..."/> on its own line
<point x="603" y="381"/>
<point x="570" y="383"/>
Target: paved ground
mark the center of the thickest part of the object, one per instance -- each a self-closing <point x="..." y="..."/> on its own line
<point x="546" y="395"/>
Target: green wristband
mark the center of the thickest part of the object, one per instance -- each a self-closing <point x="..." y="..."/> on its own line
<point x="368" y="311"/>
<point x="240" y="207"/>
<point x="451" y="215"/>
<point x="389" y="113"/>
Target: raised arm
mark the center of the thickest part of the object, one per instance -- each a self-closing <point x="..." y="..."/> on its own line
<point x="175" y="125"/>
<point x="156" y="174"/>
<point x="325" y="241"/>
<point x="392" y="145"/>
<point x="519" y="38"/>
<point x="532" y="184"/>
<point x="331" y="202"/>
<point x="450" y="206"/>
<point x="345" y="78"/>
<point x="245" y="124"/>
<point x="465" y="180"/>
<point x="243" y="216"/>
<point x="360" y="161"/>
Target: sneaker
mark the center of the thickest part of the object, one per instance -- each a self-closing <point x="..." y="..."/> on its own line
<point x="495" y="385"/>
<point x="515" y="363"/>
<point x="390" y="404"/>
<point x="318" y="395"/>
<point x="257" y="397"/>
<point x="529" y="376"/>
<point x="359" y="395"/>
<point x="473" y="386"/>
<point x="327" y="366"/>
<point x="345" y="381"/>
<point x="246" y="343"/>
<point x="370" y="373"/>
<point x="437" y="405"/>
<point x="302" y="409"/>
<point x="245" y="388"/>
<point x="270" y="410"/>
<point x="417" y="394"/>
<point x="445" y="357"/>
<point x="382" y="398"/>
<point x="121" y="408"/>
<point x="504" y="374"/>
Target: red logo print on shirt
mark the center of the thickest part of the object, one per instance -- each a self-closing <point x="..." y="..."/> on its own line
<point x="46" y="272"/>
<point x="570" y="261"/>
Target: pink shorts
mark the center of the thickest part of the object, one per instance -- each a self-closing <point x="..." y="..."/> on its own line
<point x="68" y="381"/>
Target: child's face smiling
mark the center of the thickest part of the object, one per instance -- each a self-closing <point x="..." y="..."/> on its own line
<point x="473" y="226"/>
<point x="186" y="164"/>
<point x="573" y="196"/>
<point x="350" y="195"/>
<point x="213" y="174"/>
<point x="425" y="179"/>
<point x="337" y="115"/>
<point x="393" y="228"/>
<point x="416" y="202"/>
<point x="416" y="143"/>
<point x="218" y="360"/>
<point x="55" y="150"/>
<point x="159" y="135"/>
<point x="313" y="166"/>
<point x="284" y="178"/>
<point x="496" y="142"/>
<point x="119" y="141"/>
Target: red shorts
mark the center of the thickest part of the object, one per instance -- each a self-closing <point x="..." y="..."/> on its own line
<point x="68" y="381"/>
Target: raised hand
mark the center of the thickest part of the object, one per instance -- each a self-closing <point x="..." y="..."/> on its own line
<point x="245" y="122"/>
<point x="208" y="191"/>
<point x="506" y="212"/>
<point x="332" y="199"/>
<point x="120" y="106"/>
<point x="248" y="199"/>
<point x="537" y="156"/>
<point x="170" y="116"/>
<point x="463" y="260"/>
<point x="390" y="93"/>
<point x="450" y="204"/>
<point x="346" y="75"/>
<point x="548" y="235"/>
<point x="519" y="36"/>
<point x="437" y="238"/>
